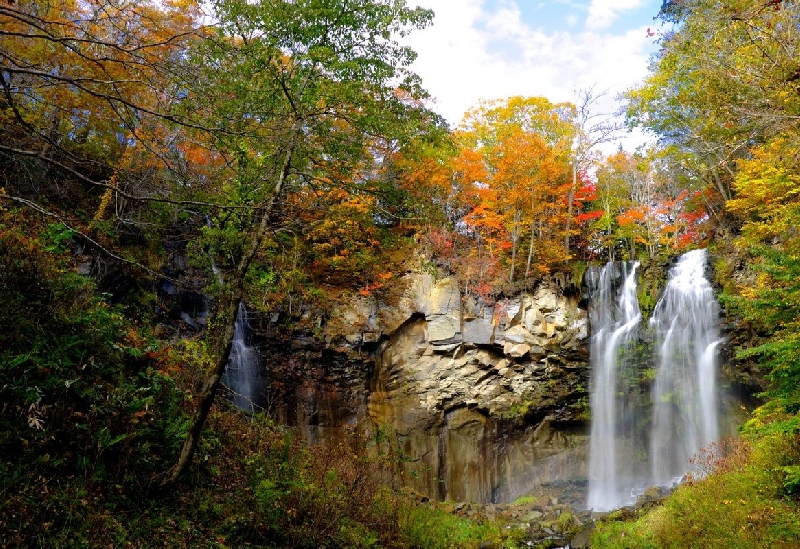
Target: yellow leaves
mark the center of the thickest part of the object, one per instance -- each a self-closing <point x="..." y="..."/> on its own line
<point x="767" y="190"/>
<point x="105" y="200"/>
<point x="74" y="64"/>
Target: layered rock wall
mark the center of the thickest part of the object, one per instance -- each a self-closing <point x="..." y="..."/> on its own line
<point x="485" y="401"/>
<point x="476" y="402"/>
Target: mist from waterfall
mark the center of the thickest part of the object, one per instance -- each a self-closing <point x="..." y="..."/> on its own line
<point x="242" y="376"/>
<point x="641" y="439"/>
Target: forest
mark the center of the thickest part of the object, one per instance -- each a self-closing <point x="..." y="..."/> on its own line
<point x="289" y="150"/>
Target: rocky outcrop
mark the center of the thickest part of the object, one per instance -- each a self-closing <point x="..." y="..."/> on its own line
<point x="484" y="401"/>
<point x="477" y="402"/>
<point x="490" y="358"/>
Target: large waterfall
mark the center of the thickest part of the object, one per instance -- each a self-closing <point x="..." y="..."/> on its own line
<point x="615" y="318"/>
<point x="684" y="395"/>
<point x="642" y="439"/>
<point x="242" y="375"/>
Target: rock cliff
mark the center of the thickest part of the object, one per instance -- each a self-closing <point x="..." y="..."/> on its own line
<point x="477" y="402"/>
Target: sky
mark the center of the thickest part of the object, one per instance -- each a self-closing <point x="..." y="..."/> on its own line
<point x="493" y="49"/>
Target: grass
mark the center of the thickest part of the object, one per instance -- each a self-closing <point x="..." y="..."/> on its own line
<point x="745" y="501"/>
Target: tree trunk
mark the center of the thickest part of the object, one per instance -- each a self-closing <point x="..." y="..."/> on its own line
<point x="225" y="324"/>
<point x="530" y="250"/>
<point x="514" y="240"/>
<point x="222" y="340"/>
<point x="570" y="201"/>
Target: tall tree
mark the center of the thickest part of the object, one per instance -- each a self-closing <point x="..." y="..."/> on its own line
<point x="725" y="79"/>
<point x="307" y="87"/>
<point x="141" y="100"/>
<point x="524" y="144"/>
<point x="592" y="129"/>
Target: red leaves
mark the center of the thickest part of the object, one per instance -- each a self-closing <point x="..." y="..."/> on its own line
<point x="586" y="217"/>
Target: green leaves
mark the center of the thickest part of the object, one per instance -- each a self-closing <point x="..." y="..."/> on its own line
<point x="721" y="84"/>
<point x="772" y="304"/>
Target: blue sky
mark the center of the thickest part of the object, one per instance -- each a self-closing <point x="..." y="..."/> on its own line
<point x="613" y="16"/>
<point x="490" y="49"/>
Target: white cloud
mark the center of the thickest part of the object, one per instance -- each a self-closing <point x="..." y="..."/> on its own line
<point x="472" y="53"/>
<point x="604" y="12"/>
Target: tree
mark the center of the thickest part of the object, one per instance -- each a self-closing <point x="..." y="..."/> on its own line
<point x="591" y="129"/>
<point x="132" y="99"/>
<point x="767" y="189"/>
<point x="631" y="201"/>
<point x="425" y="171"/>
<point x="533" y="181"/>
<point x="725" y="79"/>
<point x="524" y="145"/>
<point x="307" y="86"/>
<point x="83" y="81"/>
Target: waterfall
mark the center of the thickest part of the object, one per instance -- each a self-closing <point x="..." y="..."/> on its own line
<point x="614" y="316"/>
<point x="635" y="444"/>
<point x="684" y="394"/>
<point x="241" y="375"/>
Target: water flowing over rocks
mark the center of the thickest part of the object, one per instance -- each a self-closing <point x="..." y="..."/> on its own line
<point x="478" y="402"/>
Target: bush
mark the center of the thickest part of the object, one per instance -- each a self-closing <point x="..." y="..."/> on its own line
<point x="428" y="527"/>
<point x="86" y="419"/>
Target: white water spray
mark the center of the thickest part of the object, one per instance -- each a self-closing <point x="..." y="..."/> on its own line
<point x="685" y="415"/>
<point x="629" y="450"/>
<point x="615" y="317"/>
<point x="241" y="375"/>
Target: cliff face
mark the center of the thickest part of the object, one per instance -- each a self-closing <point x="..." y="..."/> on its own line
<point x="476" y="402"/>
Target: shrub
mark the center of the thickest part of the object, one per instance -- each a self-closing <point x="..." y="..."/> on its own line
<point x="738" y="503"/>
<point x="86" y="418"/>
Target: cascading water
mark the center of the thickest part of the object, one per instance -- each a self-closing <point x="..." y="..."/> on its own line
<point x="241" y="375"/>
<point x="685" y="415"/>
<point x="629" y="449"/>
<point x="615" y="317"/>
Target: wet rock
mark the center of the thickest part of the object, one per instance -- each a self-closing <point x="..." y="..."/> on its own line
<point x="582" y="539"/>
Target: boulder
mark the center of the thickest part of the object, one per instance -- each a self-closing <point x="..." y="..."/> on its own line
<point x="444" y="327"/>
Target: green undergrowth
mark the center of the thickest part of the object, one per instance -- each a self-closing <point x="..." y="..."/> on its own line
<point x="749" y="498"/>
<point x="93" y="410"/>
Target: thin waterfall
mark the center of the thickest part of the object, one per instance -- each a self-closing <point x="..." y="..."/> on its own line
<point x="242" y="375"/>
<point x="685" y="415"/>
<point x="615" y="317"/>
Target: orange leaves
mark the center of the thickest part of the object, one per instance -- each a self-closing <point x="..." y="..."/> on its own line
<point x="643" y="206"/>
<point x="509" y="181"/>
<point x="632" y="216"/>
<point x="469" y="168"/>
<point x="382" y="279"/>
